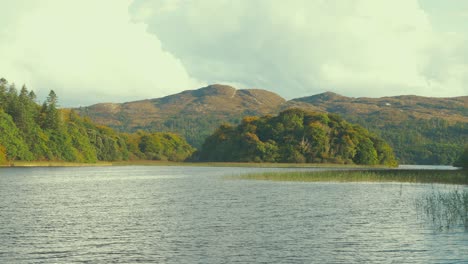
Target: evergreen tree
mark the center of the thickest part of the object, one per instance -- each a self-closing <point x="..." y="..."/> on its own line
<point x="3" y="94"/>
<point x="50" y="112"/>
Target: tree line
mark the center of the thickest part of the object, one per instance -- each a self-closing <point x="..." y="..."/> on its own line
<point x="296" y="136"/>
<point x="42" y="132"/>
<point x="420" y="141"/>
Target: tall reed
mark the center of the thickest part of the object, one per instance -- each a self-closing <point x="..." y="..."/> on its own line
<point x="445" y="209"/>
<point x="370" y="175"/>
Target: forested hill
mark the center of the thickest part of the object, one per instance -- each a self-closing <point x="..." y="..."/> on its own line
<point x="33" y="132"/>
<point x="193" y="113"/>
<point x="421" y="130"/>
<point x="297" y="136"/>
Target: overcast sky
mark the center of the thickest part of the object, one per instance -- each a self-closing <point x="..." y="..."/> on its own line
<point x="92" y="51"/>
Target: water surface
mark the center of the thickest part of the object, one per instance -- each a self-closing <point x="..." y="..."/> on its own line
<point x="140" y="214"/>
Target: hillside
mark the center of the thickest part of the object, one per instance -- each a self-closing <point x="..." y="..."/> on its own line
<point x="421" y="130"/>
<point x="33" y="132"/>
<point x="390" y="109"/>
<point x="193" y="113"/>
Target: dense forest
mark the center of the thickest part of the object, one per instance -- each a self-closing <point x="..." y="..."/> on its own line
<point x="296" y="136"/>
<point x="419" y="141"/>
<point x="421" y="130"/>
<point x="33" y="132"/>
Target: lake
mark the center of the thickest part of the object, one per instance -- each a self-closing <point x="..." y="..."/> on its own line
<point x="152" y="214"/>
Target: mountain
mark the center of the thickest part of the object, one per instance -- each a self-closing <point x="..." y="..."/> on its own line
<point x="193" y="113"/>
<point x="389" y="109"/>
<point x="421" y="130"/>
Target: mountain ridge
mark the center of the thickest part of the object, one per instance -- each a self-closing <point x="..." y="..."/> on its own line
<point x="195" y="114"/>
<point x="206" y="94"/>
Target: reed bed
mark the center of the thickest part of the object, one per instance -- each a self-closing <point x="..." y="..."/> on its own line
<point x="370" y="175"/>
<point x="445" y="209"/>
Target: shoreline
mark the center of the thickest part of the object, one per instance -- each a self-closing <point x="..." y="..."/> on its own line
<point x="31" y="164"/>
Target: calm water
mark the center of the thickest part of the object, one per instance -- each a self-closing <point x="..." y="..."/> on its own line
<point x="198" y="215"/>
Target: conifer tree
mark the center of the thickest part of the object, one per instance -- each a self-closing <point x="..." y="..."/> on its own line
<point x="50" y="112"/>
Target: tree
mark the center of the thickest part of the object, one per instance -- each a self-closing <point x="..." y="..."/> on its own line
<point x="366" y="153"/>
<point x="462" y="161"/>
<point x="50" y="113"/>
<point x="11" y="140"/>
<point x="3" y="93"/>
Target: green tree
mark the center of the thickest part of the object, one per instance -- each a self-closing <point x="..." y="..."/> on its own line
<point x="462" y="161"/>
<point x="11" y="140"/>
<point x="384" y="152"/>
<point x="366" y="153"/>
<point x="3" y="93"/>
<point x="80" y="141"/>
<point x="164" y="146"/>
<point x="50" y="113"/>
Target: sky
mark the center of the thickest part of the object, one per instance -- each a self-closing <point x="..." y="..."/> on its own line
<point x="91" y="51"/>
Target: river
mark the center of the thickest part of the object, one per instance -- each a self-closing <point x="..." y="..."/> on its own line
<point x="153" y="214"/>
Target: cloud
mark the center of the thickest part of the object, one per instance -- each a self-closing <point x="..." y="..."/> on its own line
<point x="298" y="48"/>
<point x="87" y="51"/>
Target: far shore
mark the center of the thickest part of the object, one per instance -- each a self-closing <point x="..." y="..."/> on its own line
<point x="172" y="163"/>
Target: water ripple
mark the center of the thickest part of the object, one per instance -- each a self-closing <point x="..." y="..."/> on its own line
<point x="193" y="215"/>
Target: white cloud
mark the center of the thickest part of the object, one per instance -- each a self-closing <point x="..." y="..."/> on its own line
<point x="87" y="51"/>
<point x="92" y="51"/>
<point x="296" y="48"/>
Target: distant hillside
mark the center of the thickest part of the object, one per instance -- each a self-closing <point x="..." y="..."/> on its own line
<point x="421" y="130"/>
<point x="390" y="109"/>
<point x="194" y="113"/>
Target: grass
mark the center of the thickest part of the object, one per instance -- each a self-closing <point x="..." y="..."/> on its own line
<point x="445" y="210"/>
<point x="360" y="175"/>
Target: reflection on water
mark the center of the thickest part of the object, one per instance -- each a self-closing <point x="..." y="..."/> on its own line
<point x="196" y="215"/>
